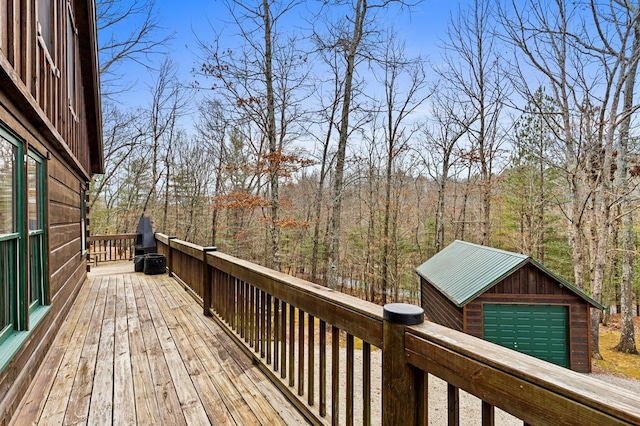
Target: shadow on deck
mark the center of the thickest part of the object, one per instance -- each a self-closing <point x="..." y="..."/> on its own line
<point x="136" y="349"/>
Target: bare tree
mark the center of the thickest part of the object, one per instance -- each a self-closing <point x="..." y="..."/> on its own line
<point x="472" y="68"/>
<point x="168" y="104"/>
<point x="129" y="32"/>
<point x="586" y="73"/>
<point x="263" y="83"/>
<point x="328" y="114"/>
<point x="351" y="37"/>
<point x="627" y="336"/>
<point x="121" y="136"/>
<point x="350" y="44"/>
<point x="404" y="83"/>
<point x="213" y="128"/>
<point x="449" y="122"/>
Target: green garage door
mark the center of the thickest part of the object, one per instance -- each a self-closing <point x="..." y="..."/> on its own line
<point x="538" y="330"/>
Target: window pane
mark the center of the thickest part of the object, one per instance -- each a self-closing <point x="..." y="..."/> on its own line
<point x="71" y="61"/>
<point x="8" y="265"/>
<point x="44" y="19"/>
<point x="7" y="184"/>
<point x="33" y="194"/>
<point x="36" y="269"/>
<point x="83" y="221"/>
<point x="35" y="202"/>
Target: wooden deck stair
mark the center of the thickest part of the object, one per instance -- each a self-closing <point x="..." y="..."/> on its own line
<point x="136" y="349"/>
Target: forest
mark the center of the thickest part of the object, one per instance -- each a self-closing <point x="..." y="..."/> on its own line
<point x="332" y="150"/>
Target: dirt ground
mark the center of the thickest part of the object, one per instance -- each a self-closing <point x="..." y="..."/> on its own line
<point x="614" y="324"/>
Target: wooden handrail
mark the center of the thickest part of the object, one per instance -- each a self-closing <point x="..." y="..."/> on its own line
<point x="111" y="237"/>
<point x="355" y="316"/>
<point x="533" y="390"/>
<point x="292" y="329"/>
<point x="106" y="248"/>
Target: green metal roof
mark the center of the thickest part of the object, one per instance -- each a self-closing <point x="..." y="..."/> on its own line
<point x="462" y="271"/>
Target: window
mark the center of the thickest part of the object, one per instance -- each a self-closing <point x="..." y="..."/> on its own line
<point x="11" y="261"/>
<point x="37" y="234"/>
<point x="23" y="250"/>
<point x="44" y="22"/>
<point x="72" y="52"/>
<point x="83" y="221"/>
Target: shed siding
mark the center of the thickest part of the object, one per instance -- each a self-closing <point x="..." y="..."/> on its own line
<point x="530" y="285"/>
<point x="438" y="308"/>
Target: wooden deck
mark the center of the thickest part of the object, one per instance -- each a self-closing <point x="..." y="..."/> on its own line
<point x="136" y="349"/>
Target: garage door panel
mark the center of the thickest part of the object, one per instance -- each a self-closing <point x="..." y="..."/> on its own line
<point x="537" y="330"/>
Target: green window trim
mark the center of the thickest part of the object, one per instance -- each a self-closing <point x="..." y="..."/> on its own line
<point x="23" y="244"/>
<point x="38" y="280"/>
<point x="13" y="256"/>
<point x="16" y="339"/>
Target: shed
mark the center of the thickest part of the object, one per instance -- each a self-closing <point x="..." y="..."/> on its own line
<point x="509" y="299"/>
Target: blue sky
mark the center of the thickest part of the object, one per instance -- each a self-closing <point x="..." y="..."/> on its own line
<point x="422" y="26"/>
<point x="193" y="19"/>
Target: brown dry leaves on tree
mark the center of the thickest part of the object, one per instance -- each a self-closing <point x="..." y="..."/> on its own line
<point x="239" y="200"/>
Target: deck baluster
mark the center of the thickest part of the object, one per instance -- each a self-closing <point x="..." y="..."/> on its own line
<point x="349" y="390"/>
<point x="335" y="375"/>
<point x="301" y="346"/>
<point x="292" y="344"/>
<point x="311" y="361"/>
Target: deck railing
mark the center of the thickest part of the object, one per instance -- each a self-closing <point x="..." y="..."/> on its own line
<point x="107" y="248"/>
<point x="338" y="358"/>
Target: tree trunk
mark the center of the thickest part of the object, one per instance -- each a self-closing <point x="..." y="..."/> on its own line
<point x="338" y="181"/>
<point x="465" y="200"/>
<point x="540" y="237"/>
<point x="439" y="245"/>
<point x="385" y="230"/>
<point x="318" y="206"/>
<point x="274" y="154"/>
<point x="369" y="264"/>
<point x="627" y="336"/>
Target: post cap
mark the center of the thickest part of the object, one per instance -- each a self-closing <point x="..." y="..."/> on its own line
<point x="213" y="248"/>
<point x="403" y="313"/>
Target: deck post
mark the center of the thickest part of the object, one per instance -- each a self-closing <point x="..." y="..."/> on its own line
<point x="206" y="282"/>
<point x="170" y="256"/>
<point x="400" y="381"/>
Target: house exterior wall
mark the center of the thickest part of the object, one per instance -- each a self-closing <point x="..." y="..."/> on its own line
<point x="530" y="285"/>
<point x="50" y="107"/>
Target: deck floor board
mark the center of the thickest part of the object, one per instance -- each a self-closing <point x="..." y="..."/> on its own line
<point x="136" y="349"/>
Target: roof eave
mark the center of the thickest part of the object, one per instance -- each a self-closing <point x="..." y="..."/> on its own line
<point x="85" y="12"/>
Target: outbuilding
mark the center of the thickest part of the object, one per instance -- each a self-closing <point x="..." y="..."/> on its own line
<point x="509" y="299"/>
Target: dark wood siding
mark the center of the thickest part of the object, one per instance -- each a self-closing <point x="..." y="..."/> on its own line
<point x="38" y="79"/>
<point x="526" y="285"/>
<point x="34" y="105"/>
<point x="530" y="285"/>
<point x="438" y="308"/>
<point x="67" y="270"/>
